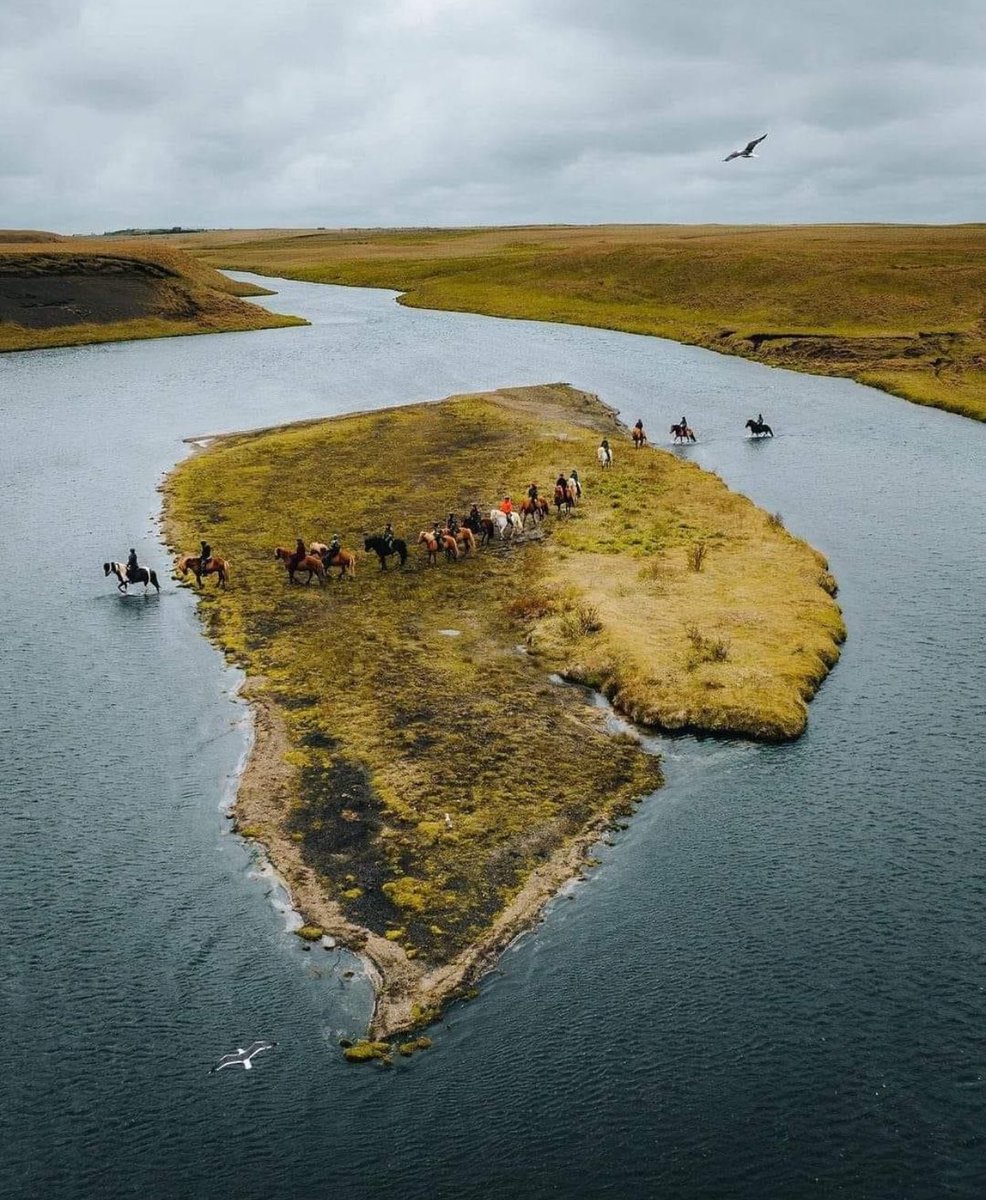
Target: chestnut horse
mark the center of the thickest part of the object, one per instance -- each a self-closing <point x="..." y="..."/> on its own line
<point x="212" y="566"/>
<point x="564" y="497"/>
<point x="464" y="535"/>
<point x="310" y="563"/>
<point x="537" y="510"/>
<point x="345" y="560"/>
<point x="432" y="546"/>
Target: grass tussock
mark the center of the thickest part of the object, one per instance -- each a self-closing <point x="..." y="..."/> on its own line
<point x="432" y="774"/>
<point x="896" y="307"/>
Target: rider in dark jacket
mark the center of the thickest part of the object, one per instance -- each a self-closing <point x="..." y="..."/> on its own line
<point x="132" y="566"/>
<point x="532" y="492"/>
<point x="453" y="524"/>
<point x="334" y="547"/>
<point x="388" y="537"/>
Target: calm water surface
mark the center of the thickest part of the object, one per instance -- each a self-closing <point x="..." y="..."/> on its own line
<point x="772" y="986"/>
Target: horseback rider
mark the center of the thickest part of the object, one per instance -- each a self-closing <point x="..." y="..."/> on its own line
<point x="474" y="520"/>
<point x="759" y="418"/>
<point x="335" y="546"/>
<point x="205" y="553"/>
<point x="639" y="426"/>
<point x="388" y="538"/>
<point x="507" y="506"/>
<point x="132" y="566"/>
<point x="532" y="492"/>
<point x="578" y="483"/>
<point x="562" y="482"/>
<point x="299" y="556"/>
<point x="453" y="524"/>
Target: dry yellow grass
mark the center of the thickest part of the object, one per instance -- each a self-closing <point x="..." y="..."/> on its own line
<point x="898" y="307"/>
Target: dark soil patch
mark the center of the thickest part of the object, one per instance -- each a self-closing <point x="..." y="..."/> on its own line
<point x="46" y="302"/>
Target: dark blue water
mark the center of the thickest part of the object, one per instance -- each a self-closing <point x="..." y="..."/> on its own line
<point x="772" y="986"/>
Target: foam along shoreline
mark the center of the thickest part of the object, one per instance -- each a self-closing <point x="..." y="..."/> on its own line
<point x="357" y="756"/>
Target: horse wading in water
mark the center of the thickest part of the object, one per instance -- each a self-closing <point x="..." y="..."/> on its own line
<point x="759" y="428"/>
<point x="307" y="562"/>
<point x="212" y="566"/>
<point x="383" y="551"/>
<point x="682" y="433"/>
<point x="142" y="575"/>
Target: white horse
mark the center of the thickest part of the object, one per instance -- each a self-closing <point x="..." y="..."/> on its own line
<point x="506" y="524"/>
<point x="605" y="456"/>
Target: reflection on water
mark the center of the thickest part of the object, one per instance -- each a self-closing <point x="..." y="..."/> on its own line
<point x="770" y="986"/>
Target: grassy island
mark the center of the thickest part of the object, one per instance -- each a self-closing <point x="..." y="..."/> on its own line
<point x="58" y="291"/>
<point x="419" y="779"/>
<point x="898" y="307"/>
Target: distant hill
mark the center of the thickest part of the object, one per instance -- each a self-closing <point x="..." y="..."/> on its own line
<point x="29" y="235"/>
<point x="61" y="291"/>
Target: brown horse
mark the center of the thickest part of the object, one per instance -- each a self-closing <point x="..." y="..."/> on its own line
<point x="309" y="562"/>
<point x="345" y="560"/>
<point x="682" y="433"/>
<point x="212" y="566"/>
<point x="537" y="510"/>
<point x="639" y="437"/>
<point x="464" y="535"/>
<point x="430" y="543"/>
<point x="564" y="498"/>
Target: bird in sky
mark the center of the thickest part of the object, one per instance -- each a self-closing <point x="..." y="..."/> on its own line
<point x="747" y="151"/>
<point x="242" y="1057"/>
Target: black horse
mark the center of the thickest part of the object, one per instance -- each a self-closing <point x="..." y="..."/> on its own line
<point x="759" y="428"/>
<point x="383" y="551"/>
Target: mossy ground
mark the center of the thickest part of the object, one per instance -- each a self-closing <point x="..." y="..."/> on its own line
<point x="392" y="725"/>
<point x="896" y="307"/>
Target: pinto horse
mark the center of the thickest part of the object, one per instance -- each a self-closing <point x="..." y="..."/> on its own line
<point x="759" y="428"/>
<point x="639" y="437"/>
<point x="309" y="562"/>
<point x="212" y="566"/>
<point x="142" y="575"/>
<point x="383" y="550"/>
<point x="682" y="433"/>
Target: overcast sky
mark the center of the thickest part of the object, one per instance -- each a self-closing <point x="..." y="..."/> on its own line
<point x="410" y="112"/>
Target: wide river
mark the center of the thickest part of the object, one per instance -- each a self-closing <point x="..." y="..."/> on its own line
<point x="773" y="984"/>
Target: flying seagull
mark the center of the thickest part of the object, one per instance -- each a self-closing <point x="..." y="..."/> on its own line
<point x="747" y="151"/>
<point x="242" y="1057"/>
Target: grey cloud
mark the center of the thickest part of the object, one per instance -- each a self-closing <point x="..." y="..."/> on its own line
<point x="469" y="111"/>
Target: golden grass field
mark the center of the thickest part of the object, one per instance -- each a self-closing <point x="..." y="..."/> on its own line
<point x="51" y="289"/>
<point x="375" y="724"/>
<point x="897" y="307"/>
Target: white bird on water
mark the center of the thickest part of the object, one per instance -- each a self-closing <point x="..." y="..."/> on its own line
<point x="242" y="1057"/>
<point x="747" y="151"/>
